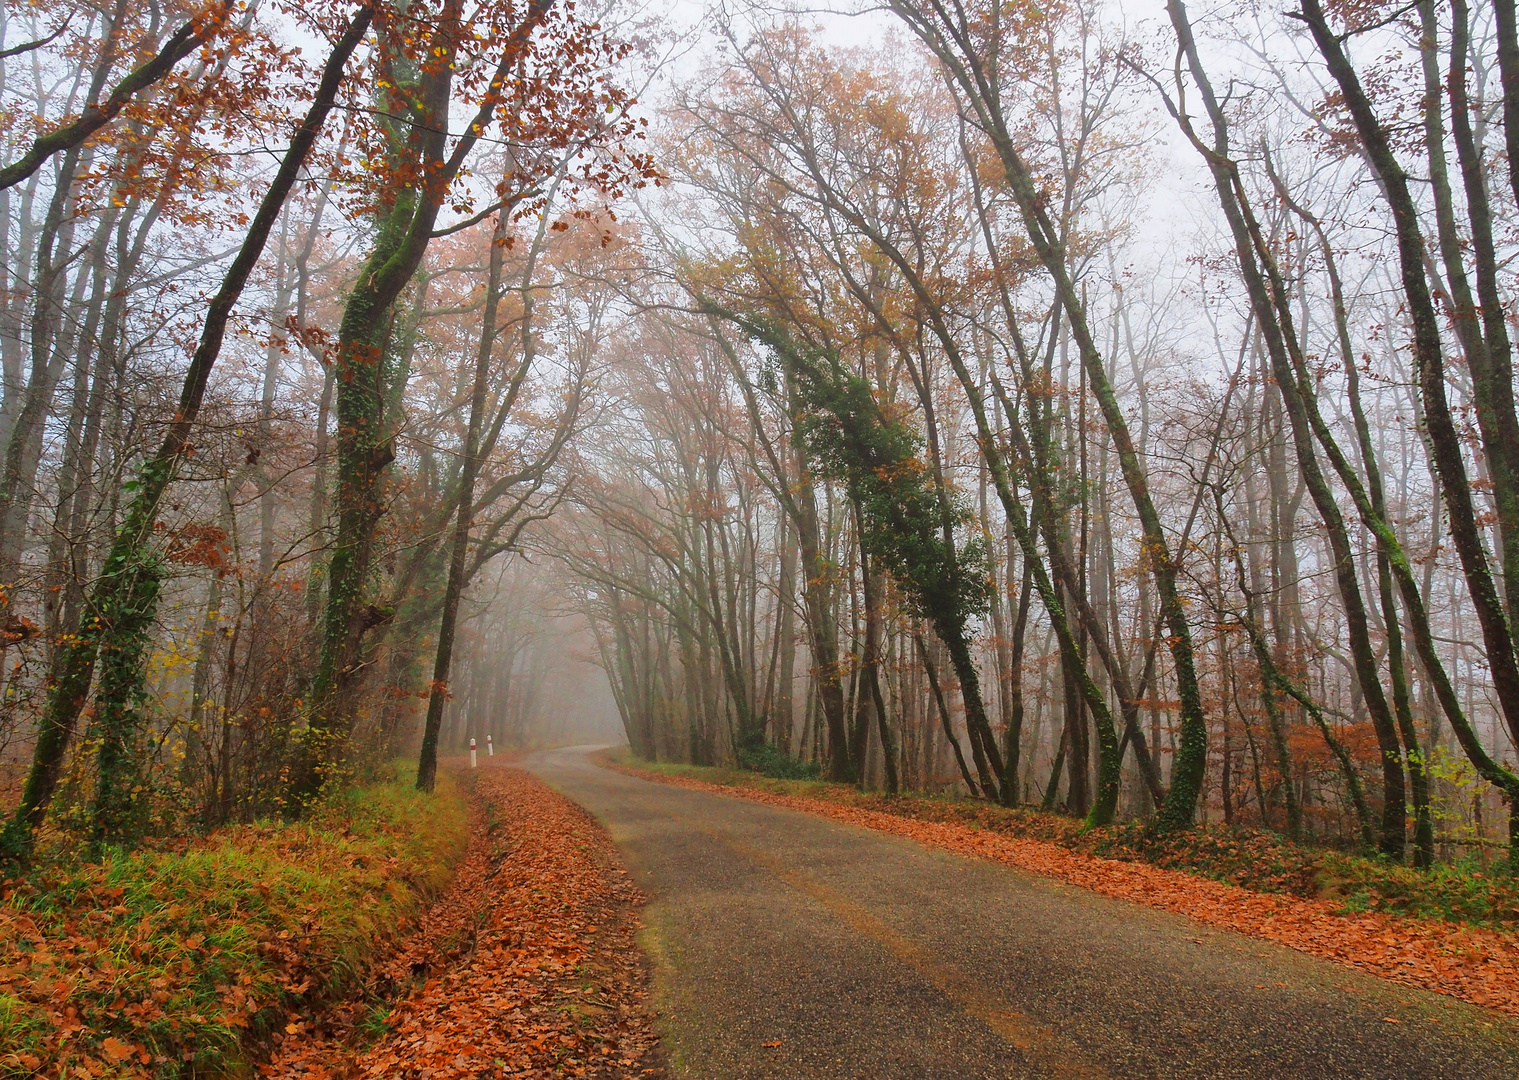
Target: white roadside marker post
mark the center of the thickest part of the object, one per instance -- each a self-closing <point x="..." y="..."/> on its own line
<point x="490" y="747"/>
<point x="472" y="760"/>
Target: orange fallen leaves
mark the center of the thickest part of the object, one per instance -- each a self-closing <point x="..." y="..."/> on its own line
<point x="526" y="967"/>
<point x="117" y="1050"/>
<point x="1470" y="963"/>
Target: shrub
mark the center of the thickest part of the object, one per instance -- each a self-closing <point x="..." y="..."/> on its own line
<point x="767" y="759"/>
<point x="1458" y="892"/>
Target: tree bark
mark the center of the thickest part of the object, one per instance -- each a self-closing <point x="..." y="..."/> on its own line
<point x="427" y="764"/>
<point x="125" y="597"/>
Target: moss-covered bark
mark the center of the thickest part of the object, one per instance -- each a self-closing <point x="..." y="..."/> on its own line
<point x="422" y="166"/>
<point x="363" y="378"/>
<point x="124" y="600"/>
<point x="902" y="510"/>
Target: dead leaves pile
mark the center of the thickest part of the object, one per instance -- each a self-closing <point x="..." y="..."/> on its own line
<point x="527" y="967"/>
<point x="1476" y="965"/>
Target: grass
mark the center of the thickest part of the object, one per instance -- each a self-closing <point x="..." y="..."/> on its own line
<point x="1254" y="859"/>
<point x="181" y="962"/>
<point x="1460" y="892"/>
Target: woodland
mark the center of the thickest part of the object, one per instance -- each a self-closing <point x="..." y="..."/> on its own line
<point x="1094" y="407"/>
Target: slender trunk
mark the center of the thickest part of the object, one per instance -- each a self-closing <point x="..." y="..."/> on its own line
<point x="47" y="311"/>
<point x="817" y="591"/>
<point x="1012" y="738"/>
<point x="978" y="83"/>
<point x="1268" y="297"/>
<point x="931" y="670"/>
<point x="1424" y="838"/>
<point x="368" y="382"/>
<point x="200" y="678"/>
<point x="1493" y="379"/>
<point x="1267" y="666"/>
<point x="125" y="597"/>
<point x="783" y="710"/>
<point x="427" y="764"/>
<point x="871" y="661"/>
<point x="1484" y="342"/>
<point x="1444" y="440"/>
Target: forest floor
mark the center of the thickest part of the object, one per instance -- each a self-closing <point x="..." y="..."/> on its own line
<point x="803" y="940"/>
<point x="185" y="956"/>
<point x="485" y="930"/>
<point x="526" y="967"/>
<point x="1279" y="900"/>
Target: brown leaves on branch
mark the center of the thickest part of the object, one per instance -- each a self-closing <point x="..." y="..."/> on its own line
<point x="199" y="544"/>
<point x="539" y="82"/>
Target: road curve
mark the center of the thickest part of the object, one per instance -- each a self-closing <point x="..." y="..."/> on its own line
<point x="791" y="946"/>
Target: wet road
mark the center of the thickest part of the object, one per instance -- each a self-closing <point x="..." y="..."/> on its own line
<point x="791" y="946"/>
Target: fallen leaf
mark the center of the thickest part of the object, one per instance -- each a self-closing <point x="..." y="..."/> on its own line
<point x="117" y="1050"/>
<point x="496" y="1005"/>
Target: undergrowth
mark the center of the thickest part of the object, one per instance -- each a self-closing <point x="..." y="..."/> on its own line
<point x="1255" y="859"/>
<point x="182" y="962"/>
<point x="767" y="759"/>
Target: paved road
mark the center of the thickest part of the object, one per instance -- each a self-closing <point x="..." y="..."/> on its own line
<point x="867" y="956"/>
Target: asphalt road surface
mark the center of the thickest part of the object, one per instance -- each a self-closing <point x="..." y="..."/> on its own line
<point x="791" y="946"/>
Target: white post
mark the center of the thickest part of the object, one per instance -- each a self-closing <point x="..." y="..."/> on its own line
<point x="490" y="747"/>
<point x="472" y="760"/>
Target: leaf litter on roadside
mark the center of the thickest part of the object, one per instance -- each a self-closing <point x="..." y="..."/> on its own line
<point x="527" y="966"/>
<point x="1472" y="964"/>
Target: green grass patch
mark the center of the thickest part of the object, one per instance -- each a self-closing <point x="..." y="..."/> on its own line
<point x="1255" y="859"/>
<point x="182" y="962"/>
<point x="1456" y="892"/>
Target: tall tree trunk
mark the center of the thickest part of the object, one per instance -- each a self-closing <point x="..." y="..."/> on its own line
<point x="949" y="36"/>
<point x="1444" y="440"/>
<point x="869" y="589"/>
<point x="367" y="384"/>
<point x="427" y="764"/>
<point x="125" y="597"/>
<point x="1424" y="836"/>
<point x="783" y="709"/>
<point x="931" y="670"/>
<point x="1268" y="298"/>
